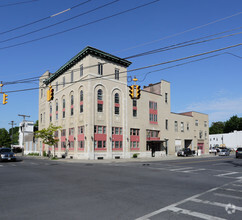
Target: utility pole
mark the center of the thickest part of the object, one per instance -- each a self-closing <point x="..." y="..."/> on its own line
<point x="24" y="116"/>
<point x="12" y="123"/>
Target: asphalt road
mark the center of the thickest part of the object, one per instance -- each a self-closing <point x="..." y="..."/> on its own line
<point x="189" y="188"/>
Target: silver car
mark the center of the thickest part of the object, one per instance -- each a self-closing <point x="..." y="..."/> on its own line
<point x="7" y="154"/>
<point x="224" y="152"/>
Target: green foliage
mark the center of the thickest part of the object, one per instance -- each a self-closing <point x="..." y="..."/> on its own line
<point x="47" y="134"/>
<point x="5" y="140"/>
<point x="33" y="154"/>
<point x="234" y="123"/>
<point x="135" y="155"/>
<point x="44" y="154"/>
<point x="217" y="128"/>
<point x="15" y="135"/>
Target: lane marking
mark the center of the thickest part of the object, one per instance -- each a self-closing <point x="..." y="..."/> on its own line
<point x="183" y="168"/>
<point x="216" y="164"/>
<point x="237" y="185"/>
<point x="226" y="174"/>
<point x="215" y="203"/>
<point x="203" y="161"/>
<point x="233" y="190"/>
<point x="189" y="171"/>
<point x="195" y="214"/>
<point x="227" y="196"/>
<point x="147" y="216"/>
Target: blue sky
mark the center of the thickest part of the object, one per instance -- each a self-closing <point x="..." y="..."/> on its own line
<point x="211" y="86"/>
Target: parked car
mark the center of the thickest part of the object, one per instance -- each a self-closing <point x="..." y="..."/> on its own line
<point x="224" y="152"/>
<point x="212" y="150"/>
<point x="7" y="154"/>
<point x="185" y="152"/>
<point x="238" y="152"/>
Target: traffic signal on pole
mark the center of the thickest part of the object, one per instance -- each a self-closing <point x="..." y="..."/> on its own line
<point x="138" y="91"/>
<point x="5" y="98"/>
<point x="131" y="91"/>
<point x="51" y="92"/>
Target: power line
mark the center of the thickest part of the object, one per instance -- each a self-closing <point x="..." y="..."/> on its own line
<point x="45" y="18"/>
<point x="148" y="52"/>
<point x="52" y="25"/>
<point x="137" y="69"/>
<point x="17" y="3"/>
<point x="79" y="26"/>
<point x="179" y="33"/>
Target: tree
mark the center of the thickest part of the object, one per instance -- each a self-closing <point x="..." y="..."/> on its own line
<point x="48" y="135"/>
<point x="232" y="124"/>
<point x="5" y="140"/>
<point x="217" y="128"/>
<point x="15" y="138"/>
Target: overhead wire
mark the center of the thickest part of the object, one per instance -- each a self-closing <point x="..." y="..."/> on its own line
<point x="17" y="3"/>
<point x="80" y="26"/>
<point x="137" y="55"/>
<point x="44" y="18"/>
<point x="60" y="22"/>
<point x="140" y="68"/>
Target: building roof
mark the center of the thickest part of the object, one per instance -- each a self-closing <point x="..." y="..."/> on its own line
<point x="86" y="51"/>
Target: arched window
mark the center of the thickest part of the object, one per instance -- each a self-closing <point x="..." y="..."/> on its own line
<point x="63" y="108"/>
<point x="116" y="104"/>
<point x="72" y="105"/>
<point x="99" y="94"/>
<point x="56" y="110"/>
<point x="116" y="98"/>
<point x="50" y="112"/>
<point x="81" y="101"/>
<point x="100" y="100"/>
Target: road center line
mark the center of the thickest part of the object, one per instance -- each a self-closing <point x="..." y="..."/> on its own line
<point x="183" y="168"/>
<point x="226" y="174"/>
<point x="189" y="171"/>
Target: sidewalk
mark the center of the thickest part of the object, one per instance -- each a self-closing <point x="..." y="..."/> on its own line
<point x="125" y="160"/>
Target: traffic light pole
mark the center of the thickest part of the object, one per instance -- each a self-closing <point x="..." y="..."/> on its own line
<point x="12" y="123"/>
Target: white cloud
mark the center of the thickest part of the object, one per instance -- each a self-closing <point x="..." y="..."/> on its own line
<point x="218" y="109"/>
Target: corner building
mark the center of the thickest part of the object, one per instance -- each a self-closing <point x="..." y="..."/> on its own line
<point x="100" y="121"/>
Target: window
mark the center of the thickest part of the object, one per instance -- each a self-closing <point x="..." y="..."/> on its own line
<point x="153" y="112"/>
<point x="100" y="68"/>
<point x="166" y="124"/>
<point x="81" y="130"/>
<point x="99" y="129"/>
<point x="134" y="108"/>
<point x="200" y="134"/>
<point x="81" y="70"/>
<point x="176" y="126"/>
<point x="71" y="131"/>
<point x="56" y="86"/>
<point x="117" y="74"/>
<point x="63" y="132"/>
<point x="63" y="108"/>
<point x="81" y="101"/>
<point x="188" y="126"/>
<point x="56" y="110"/>
<point x="81" y="144"/>
<point x="134" y="139"/>
<point x="116" y="104"/>
<point x="205" y="124"/>
<point x="72" y="105"/>
<point x="50" y="112"/>
<point x="41" y="93"/>
<point x="99" y="100"/>
<point x="196" y="122"/>
<point x="182" y="126"/>
<point x="166" y="97"/>
<point x="41" y="118"/>
<point x="72" y="76"/>
<point x="64" y="81"/>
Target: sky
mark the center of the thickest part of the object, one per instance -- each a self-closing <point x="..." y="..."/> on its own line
<point x="210" y="85"/>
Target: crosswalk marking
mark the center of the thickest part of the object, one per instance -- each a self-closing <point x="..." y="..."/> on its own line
<point x="234" y="190"/>
<point x="189" y="171"/>
<point x="226" y="174"/>
<point x="227" y="196"/>
<point x="214" y="203"/>
<point x="183" y="168"/>
<point x="194" y="214"/>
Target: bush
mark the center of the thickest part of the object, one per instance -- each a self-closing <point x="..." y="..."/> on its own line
<point x="135" y="155"/>
<point x="44" y="154"/>
<point x="33" y="154"/>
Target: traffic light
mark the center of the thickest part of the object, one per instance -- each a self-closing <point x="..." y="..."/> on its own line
<point x="51" y="92"/>
<point x="131" y="91"/>
<point x="138" y="91"/>
<point x="5" y="98"/>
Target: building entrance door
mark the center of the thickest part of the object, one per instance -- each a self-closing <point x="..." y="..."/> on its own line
<point x="153" y="146"/>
